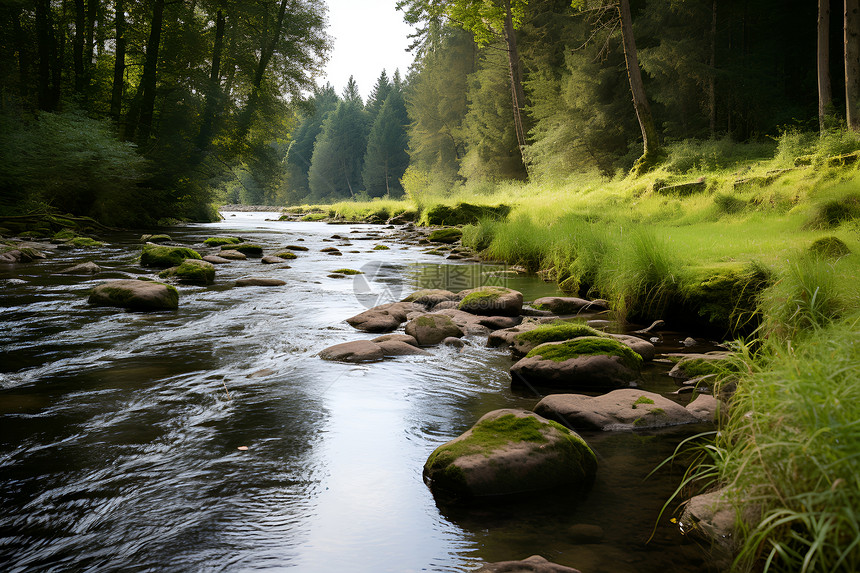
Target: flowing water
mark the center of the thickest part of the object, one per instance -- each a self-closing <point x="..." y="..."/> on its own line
<point x="120" y="432"/>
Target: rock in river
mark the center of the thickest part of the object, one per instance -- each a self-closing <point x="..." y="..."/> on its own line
<point x="259" y="281"/>
<point x="587" y="362"/>
<point x="569" y="304"/>
<point x="509" y="452"/>
<point x="382" y="318"/>
<point x="164" y="256"/>
<point x="534" y="564"/>
<point x="356" y="351"/>
<point x="135" y="295"/>
<point x="232" y="255"/>
<point x="624" y="409"/>
<point x="87" y="268"/>
<point x="491" y="301"/>
<point x="430" y="329"/>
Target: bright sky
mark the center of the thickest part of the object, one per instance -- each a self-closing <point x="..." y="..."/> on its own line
<point x="369" y="36"/>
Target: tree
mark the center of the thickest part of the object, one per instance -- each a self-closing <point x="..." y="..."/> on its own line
<point x="336" y="164"/>
<point x="386" y="158"/>
<point x="852" y="63"/>
<point x="301" y="149"/>
<point x="378" y="95"/>
<point x="825" y="97"/>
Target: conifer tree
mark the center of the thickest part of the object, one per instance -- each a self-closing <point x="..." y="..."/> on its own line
<point x="338" y="156"/>
<point x="386" y="159"/>
<point x="377" y="97"/>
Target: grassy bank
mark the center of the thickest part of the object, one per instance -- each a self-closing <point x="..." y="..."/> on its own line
<point x="756" y="241"/>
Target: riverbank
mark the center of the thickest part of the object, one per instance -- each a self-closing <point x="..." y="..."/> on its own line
<point x="764" y="249"/>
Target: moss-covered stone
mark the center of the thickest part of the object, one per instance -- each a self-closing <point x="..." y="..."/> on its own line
<point x="191" y="271"/>
<point x="491" y="300"/>
<point x="135" y="295"/>
<point x="164" y="256"/>
<point x="65" y="235"/>
<point x="248" y="249"/>
<point x="463" y="214"/>
<point x="155" y="238"/>
<point x="725" y="297"/>
<point x="829" y="247"/>
<point x="348" y="272"/>
<point x="509" y="452"/>
<point x="85" y="242"/>
<point x="287" y="255"/>
<point x="557" y="331"/>
<point x="380" y="248"/>
<point x="314" y="217"/>
<point x="220" y="241"/>
<point x="587" y="346"/>
<point x="447" y="235"/>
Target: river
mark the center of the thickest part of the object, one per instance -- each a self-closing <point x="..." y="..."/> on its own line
<point x="120" y="432"/>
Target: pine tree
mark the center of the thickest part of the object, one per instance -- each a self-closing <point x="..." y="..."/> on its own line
<point x="377" y="97"/>
<point x="335" y="171"/>
<point x="302" y="147"/>
<point x="351" y="93"/>
<point x="386" y="158"/>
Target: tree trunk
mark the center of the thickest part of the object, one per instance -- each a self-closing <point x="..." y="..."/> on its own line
<point x="148" y="80"/>
<point x="852" y="63"/>
<point x="78" y="45"/>
<point x="89" y="45"/>
<point x="518" y="97"/>
<point x="267" y="50"/>
<point x="119" y="62"/>
<point x="650" y="140"/>
<point x="43" y="43"/>
<point x="825" y="98"/>
<point x="712" y="75"/>
<point x="21" y="47"/>
<point x="213" y="92"/>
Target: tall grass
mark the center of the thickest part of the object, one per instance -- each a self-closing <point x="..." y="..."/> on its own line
<point x="791" y="449"/>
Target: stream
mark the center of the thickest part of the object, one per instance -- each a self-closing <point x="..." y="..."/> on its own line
<point x="120" y="431"/>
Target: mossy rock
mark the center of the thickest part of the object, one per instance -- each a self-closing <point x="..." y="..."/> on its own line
<point x="296" y="248"/>
<point x="220" y="241"/>
<point x="725" y="297"/>
<point x="85" y="242"/>
<point x="829" y="248"/>
<point x="463" y="214"/>
<point x="192" y="271"/>
<point x="135" y="295"/>
<point x="492" y="301"/>
<point x="164" y="256"/>
<point x="699" y="365"/>
<point x="65" y="235"/>
<point x="430" y="329"/>
<point x="248" y="249"/>
<point x="556" y="331"/>
<point x="155" y="238"/>
<point x="381" y="248"/>
<point x="448" y="235"/>
<point x="287" y="255"/>
<point x="587" y="346"/>
<point x="314" y="217"/>
<point x="348" y="272"/>
<point x="511" y="452"/>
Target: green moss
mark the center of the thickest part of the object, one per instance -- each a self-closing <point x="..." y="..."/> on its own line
<point x="557" y="331"/>
<point x="449" y="235"/>
<point x="156" y="238"/>
<point x="829" y="247"/>
<point x="191" y="272"/>
<point x="426" y="321"/>
<point x="658" y="411"/>
<point x="65" y="235"/>
<point x="640" y="422"/>
<point x="463" y="214"/>
<point x="85" y="242"/>
<point x="287" y="255"/>
<point x="726" y="296"/>
<point x="643" y="400"/>
<point x="164" y="256"/>
<point x="348" y="272"/>
<point x="587" y="346"/>
<point x="832" y="213"/>
<point x="247" y="249"/>
<point x="482" y="296"/>
<point x="380" y="248"/>
<point x="314" y="217"/>
<point x="219" y="241"/>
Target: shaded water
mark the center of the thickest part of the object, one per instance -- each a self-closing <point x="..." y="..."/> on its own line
<point x="119" y="432"/>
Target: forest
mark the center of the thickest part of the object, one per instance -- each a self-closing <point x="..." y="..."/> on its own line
<point x="693" y="161"/>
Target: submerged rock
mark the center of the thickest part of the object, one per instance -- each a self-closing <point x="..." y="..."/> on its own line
<point x="247" y="249"/>
<point x="259" y="281"/>
<point x="155" y="238"/>
<point x="431" y="329"/>
<point x="215" y="259"/>
<point x="534" y="564"/>
<point x="508" y="452"/>
<point x="587" y="362"/>
<point x="569" y="304"/>
<point x="625" y="409"/>
<point x="400" y="348"/>
<point x="272" y="260"/>
<point x="20" y="255"/>
<point x="87" y="268"/>
<point x="356" y="351"/>
<point x="491" y="301"/>
<point x="135" y="295"/>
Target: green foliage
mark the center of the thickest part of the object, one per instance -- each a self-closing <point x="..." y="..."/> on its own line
<point x="448" y="235"/>
<point x="335" y="170"/>
<point x="729" y="204"/>
<point x="386" y="159"/>
<point x="829" y="247"/>
<point x="832" y="213"/>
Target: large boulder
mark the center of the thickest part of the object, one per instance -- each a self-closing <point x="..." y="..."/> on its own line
<point x="712" y="517"/>
<point x="400" y="348"/>
<point x="165" y="256"/>
<point x="590" y="362"/>
<point x="469" y="323"/>
<point x="643" y="348"/>
<point x="509" y="452"/>
<point x="524" y="342"/>
<point x="135" y="295"/>
<point x="221" y="241"/>
<point x="382" y="318"/>
<point x="192" y="271"/>
<point x="705" y="407"/>
<point x="430" y="329"/>
<point x="448" y="235"/>
<point x="569" y="304"/>
<point x="534" y="564"/>
<point x="19" y="255"/>
<point x="625" y="409"/>
<point x="463" y="213"/>
<point x="356" y="351"/>
<point x="491" y="301"/>
<point x="398" y="337"/>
